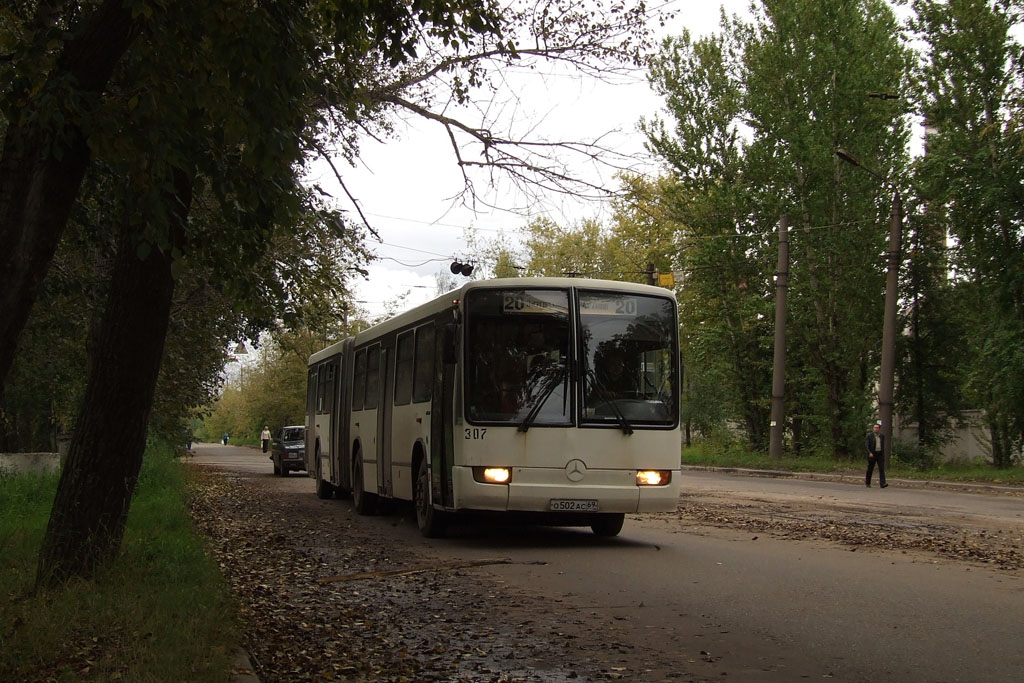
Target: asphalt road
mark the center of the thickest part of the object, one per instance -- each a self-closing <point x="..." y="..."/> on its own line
<point x="672" y="595"/>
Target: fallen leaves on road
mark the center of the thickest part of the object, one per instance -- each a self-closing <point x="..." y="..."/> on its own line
<point x="1001" y="548"/>
<point x="293" y="561"/>
<point x="443" y="566"/>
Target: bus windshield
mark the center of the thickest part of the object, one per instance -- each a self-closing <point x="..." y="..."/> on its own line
<point x="517" y="357"/>
<point x="627" y="352"/>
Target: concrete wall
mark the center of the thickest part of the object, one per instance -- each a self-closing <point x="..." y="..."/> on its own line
<point x="971" y="440"/>
<point x="21" y="463"/>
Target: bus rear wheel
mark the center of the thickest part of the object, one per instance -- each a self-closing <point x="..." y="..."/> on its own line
<point x="608" y="525"/>
<point x="432" y="523"/>
<point x="364" y="503"/>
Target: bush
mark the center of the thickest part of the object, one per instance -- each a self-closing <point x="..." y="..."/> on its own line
<point x="911" y="455"/>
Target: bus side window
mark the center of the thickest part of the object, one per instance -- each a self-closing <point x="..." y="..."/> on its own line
<point x="323" y="395"/>
<point x="372" y="377"/>
<point x="403" y="368"/>
<point x="359" y="380"/>
<point x="311" y="392"/>
<point x="332" y="378"/>
<point x="424" y="374"/>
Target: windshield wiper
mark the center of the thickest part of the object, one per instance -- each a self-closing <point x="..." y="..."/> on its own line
<point x="609" y="401"/>
<point x="554" y="379"/>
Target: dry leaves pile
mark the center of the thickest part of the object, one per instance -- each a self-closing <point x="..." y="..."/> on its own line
<point x="326" y="596"/>
<point x="295" y="564"/>
<point x="1002" y="548"/>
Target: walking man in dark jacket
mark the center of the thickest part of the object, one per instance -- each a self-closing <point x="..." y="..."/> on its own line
<point x="875" y="444"/>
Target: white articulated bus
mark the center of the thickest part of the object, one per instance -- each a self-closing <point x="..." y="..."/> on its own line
<point x="553" y="398"/>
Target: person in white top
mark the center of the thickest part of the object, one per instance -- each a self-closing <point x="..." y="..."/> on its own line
<point x="265" y="438"/>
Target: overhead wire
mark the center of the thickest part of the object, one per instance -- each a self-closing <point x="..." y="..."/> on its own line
<point x="690" y="237"/>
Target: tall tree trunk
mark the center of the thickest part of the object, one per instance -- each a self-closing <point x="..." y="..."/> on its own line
<point x="1002" y="443"/>
<point x="96" y="485"/>
<point x="42" y="167"/>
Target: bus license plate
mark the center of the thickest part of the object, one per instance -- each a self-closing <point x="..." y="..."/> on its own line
<point x="572" y="505"/>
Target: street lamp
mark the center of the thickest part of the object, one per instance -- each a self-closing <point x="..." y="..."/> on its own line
<point x="886" y="384"/>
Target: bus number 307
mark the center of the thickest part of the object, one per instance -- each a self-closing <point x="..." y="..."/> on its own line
<point x="475" y="433"/>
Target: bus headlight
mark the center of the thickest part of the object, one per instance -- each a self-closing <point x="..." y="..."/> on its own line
<point x="492" y="475"/>
<point x="653" y="477"/>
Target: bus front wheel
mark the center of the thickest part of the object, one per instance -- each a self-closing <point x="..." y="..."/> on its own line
<point x="364" y="503"/>
<point x="608" y="525"/>
<point x="431" y="522"/>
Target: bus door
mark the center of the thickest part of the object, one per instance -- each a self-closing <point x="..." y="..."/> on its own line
<point x="330" y="451"/>
<point x="326" y="379"/>
<point x="343" y="412"/>
<point x="310" y="421"/>
<point x="387" y="373"/>
<point x="442" y="446"/>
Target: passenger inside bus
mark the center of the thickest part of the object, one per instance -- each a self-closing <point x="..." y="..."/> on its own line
<point x="614" y="377"/>
<point x="513" y="367"/>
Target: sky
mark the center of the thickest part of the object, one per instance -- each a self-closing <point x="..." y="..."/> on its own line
<point x="405" y="186"/>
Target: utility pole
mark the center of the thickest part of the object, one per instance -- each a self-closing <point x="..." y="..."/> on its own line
<point x="777" y="423"/>
<point x="886" y="384"/>
<point x="650" y="274"/>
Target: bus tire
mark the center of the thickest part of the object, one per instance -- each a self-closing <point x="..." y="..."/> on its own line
<point x="364" y="503"/>
<point x="343" y="492"/>
<point x="608" y="525"/>
<point x="324" y="490"/>
<point x="432" y="522"/>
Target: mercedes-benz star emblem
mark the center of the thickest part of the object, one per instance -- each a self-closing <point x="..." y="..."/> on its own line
<point x="575" y="470"/>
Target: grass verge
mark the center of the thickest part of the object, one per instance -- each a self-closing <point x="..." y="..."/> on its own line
<point x="979" y="472"/>
<point x="161" y="612"/>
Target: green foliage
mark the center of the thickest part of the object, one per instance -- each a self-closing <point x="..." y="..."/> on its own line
<point x="731" y="454"/>
<point x="161" y="612"/>
<point x="969" y="90"/>
<point x="912" y="455"/>
<point x="48" y="376"/>
<point x="556" y="251"/>
<point x="271" y="391"/>
<point x="798" y="77"/>
<point x="194" y="143"/>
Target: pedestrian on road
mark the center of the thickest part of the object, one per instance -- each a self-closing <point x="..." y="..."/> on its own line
<point x="224" y="438"/>
<point x="265" y="438"/>
<point x="875" y="444"/>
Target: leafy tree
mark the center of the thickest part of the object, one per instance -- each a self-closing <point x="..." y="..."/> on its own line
<point x="931" y="370"/>
<point x="270" y="391"/>
<point x="797" y="78"/>
<point x="196" y="50"/>
<point x="207" y="135"/>
<point x="646" y="230"/>
<point x="724" y="305"/>
<point x="556" y="251"/>
<point x="833" y="56"/>
<point x="46" y="381"/>
<point x="970" y="86"/>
